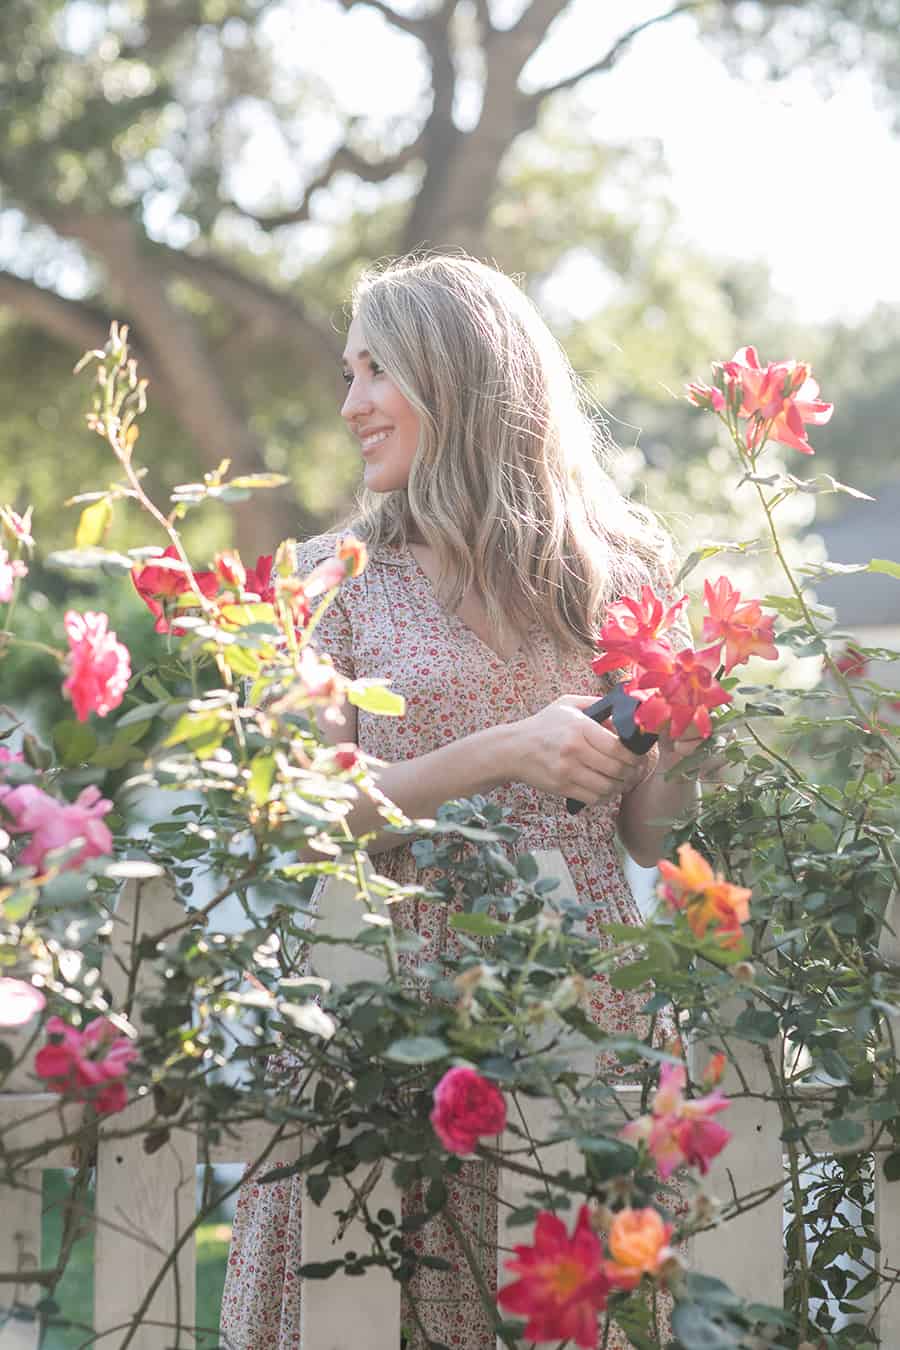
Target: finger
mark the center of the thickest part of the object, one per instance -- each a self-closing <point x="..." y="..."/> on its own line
<point x="578" y="700"/>
<point x="597" y="785"/>
<point x="605" y="740"/>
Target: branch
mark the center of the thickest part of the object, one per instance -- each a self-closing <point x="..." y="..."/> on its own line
<point x="610" y="57"/>
<point x="72" y="322"/>
<point x="272" y="313"/>
<point x="418" y="27"/>
<point x="344" y="160"/>
<point x="483" y="14"/>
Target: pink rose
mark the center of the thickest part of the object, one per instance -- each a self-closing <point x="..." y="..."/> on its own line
<point x="11" y="569"/>
<point x="325" y="577"/>
<point x="466" y="1106"/>
<point x="19" y="1001"/>
<point x="87" y="1066"/>
<point x="680" y="1129"/>
<point x="55" y="824"/>
<point x="99" y="665"/>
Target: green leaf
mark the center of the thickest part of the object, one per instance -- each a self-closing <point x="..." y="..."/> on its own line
<point x="319" y="1270"/>
<point x="696" y="1329"/>
<point x="258" y="480"/>
<point x="892" y="1166"/>
<point x="88" y="559"/>
<point x="527" y="867"/>
<point x="18" y="906"/>
<point x="634" y="974"/>
<point x="262" y="774"/>
<point x="144" y="712"/>
<point x="886" y="567"/>
<point x="846" y="1132"/>
<point x="756" y="1024"/>
<point x="318" y="1186"/>
<point x="204" y="732"/>
<point x="710" y="1290"/>
<point x="369" y="1087"/>
<point x="479" y="925"/>
<point x="710" y="550"/>
<point x="74" y="742"/>
<point x="828" y="484"/>
<point x="253" y="612"/>
<point x="417" y="1050"/>
<point x="94" y="523"/>
<point x="373" y="697"/>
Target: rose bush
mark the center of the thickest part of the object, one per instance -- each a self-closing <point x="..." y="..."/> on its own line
<point x="766" y="935"/>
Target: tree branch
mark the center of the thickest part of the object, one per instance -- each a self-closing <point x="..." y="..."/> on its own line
<point x="71" y="321"/>
<point x="612" y="55"/>
<point x="344" y="160"/>
<point x="80" y="326"/>
<point x="418" y="27"/>
<point x="271" y="313"/>
<point x="483" y="14"/>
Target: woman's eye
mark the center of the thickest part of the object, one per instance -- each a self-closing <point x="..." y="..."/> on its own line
<point x="347" y="378"/>
<point x="375" y="368"/>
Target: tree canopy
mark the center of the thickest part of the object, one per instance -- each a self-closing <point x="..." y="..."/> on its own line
<point x="188" y="168"/>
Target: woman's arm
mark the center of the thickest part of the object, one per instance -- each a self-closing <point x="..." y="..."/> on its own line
<point x="647" y="811"/>
<point x="557" y="750"/>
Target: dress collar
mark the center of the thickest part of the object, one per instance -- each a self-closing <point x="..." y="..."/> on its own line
<point x="389" y="555"/>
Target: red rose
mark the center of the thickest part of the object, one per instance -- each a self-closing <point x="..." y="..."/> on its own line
<point x="159" y="587"/>
<point x="466" y="1106"/>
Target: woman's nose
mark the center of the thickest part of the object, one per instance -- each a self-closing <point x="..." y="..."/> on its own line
<point x="355" y="404"/>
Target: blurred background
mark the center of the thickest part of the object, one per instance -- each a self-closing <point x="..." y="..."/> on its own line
<point x="671" y="181"/>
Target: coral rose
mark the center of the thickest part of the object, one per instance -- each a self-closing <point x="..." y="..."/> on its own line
<point x="563" y="1283"/>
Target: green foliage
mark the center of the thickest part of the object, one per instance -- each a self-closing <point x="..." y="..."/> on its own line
<point x="809" y="988"/>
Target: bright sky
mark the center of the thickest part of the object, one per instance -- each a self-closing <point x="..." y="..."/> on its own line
<point x="781" y="172"/>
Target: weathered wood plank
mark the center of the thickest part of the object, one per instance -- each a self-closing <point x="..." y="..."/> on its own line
<point x="747" y="1251"/>
<point x="20" y="1205"/>
<point x="150" y="1197"/>
<point x="536" y="1118"/>
<point x="344" y="1311"/>
<point x="887" y="1195"/>
<point x="20" y="1250"/>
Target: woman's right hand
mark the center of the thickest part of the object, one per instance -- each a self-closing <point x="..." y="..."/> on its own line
<point x="561" y="751"/>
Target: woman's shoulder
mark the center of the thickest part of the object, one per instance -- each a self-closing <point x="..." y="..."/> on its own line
<point x="310" y="552"/>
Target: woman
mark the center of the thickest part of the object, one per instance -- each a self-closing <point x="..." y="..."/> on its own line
<point x="495" y="540"/>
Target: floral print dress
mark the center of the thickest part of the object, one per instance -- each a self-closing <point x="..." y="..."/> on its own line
<point x="388" y="624"/>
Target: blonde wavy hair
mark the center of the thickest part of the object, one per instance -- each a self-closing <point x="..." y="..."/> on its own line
<point x="508" y="485"/>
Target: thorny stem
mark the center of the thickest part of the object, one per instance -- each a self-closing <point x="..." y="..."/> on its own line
<point x="810" y="622"/>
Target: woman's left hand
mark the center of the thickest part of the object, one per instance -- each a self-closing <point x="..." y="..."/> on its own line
<point x="671" y="753"/>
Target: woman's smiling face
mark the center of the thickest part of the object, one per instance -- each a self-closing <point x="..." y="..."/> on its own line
<point x="381" y="418"/>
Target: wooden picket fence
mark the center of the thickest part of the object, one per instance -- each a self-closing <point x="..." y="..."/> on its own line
<point x="145" y="1203"/>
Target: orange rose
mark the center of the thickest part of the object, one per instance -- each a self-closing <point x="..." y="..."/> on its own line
<point x="353" y="554"/>
<point x="639" y="1241"/>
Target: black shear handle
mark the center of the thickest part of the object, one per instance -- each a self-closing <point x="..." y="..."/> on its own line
<point x="621" y="707"/>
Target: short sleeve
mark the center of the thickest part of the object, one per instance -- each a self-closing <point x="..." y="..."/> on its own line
<point x="334" y="631"/>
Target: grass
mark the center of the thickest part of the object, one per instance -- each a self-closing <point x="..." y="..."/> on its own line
<point x="70" y="1325"/>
